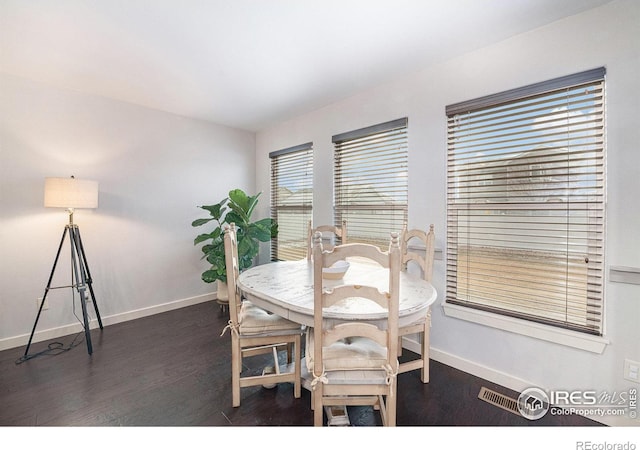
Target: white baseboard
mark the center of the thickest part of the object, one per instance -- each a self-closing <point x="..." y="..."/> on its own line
<point x="52" y="333"/>
<point x="501" y="378"/>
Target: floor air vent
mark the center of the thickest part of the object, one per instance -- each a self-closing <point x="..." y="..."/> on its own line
<point x="499" y="400"/>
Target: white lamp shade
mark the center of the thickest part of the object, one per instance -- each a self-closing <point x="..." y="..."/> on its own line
<point x="70" y="193"/>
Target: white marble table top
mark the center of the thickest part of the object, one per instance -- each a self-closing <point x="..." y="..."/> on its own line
<point x="286" y="288"/>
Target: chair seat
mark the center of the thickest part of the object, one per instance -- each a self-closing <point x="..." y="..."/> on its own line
<point x="349" y="354"/>
<point x="355" y="376"/>
<point x="255" y="321"/>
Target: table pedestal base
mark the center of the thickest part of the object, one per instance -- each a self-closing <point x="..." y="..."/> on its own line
<point x="337" y="416"/>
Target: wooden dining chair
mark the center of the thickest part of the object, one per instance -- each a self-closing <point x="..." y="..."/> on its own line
<point x="422" y="327"/>
<point x="337" y="233"/>
<point x="354" y="363"/>
<point x="256" y="331"/>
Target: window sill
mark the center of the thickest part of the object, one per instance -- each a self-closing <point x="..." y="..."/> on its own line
<point x="594" y="344"/>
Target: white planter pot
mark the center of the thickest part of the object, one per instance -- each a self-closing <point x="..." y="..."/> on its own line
<point x="222" y="294"/>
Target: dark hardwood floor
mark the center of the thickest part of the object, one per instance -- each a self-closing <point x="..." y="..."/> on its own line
<point x="173" y="369"/>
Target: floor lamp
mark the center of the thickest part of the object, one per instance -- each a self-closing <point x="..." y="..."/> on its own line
<point x="71" y="193"/>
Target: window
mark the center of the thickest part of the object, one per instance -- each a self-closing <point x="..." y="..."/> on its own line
<point x="370" y="181"/>
<point x="291" y="200"/>
<point x="525" y="203"/>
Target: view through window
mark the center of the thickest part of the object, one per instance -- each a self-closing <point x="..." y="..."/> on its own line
<point x="525" y="202"/>
<point x="291" y="200"/>
<point x="371" y="181"/>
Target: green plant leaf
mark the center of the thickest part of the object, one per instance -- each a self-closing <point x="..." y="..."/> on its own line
<point x="246" y="247"/>
<point x="264" y="229"/>
<point x="205" y="236"/>
<point x="217" y="210"/>
<point x="199" y="222"/>
<point x="209" y="276"/>
<point x="242" y="204"/>
<point x="206" y="249"/>
<point x="239" y="219"/>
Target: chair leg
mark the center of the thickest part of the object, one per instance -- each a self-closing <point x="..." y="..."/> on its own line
<point x="276" y="363"/>
<point x="236" y="367"/>
<point x="318" y="410"/>
<point x="297" y="385"/>
<point x="426" y="344"/>
<point x="289" y="353"/>
<point x="390" y="409"/>
<point x="381" y="405"/>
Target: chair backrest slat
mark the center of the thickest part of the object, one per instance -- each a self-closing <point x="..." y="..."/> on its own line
<point x="338" y="232"/>
<point x="233" y="270"/>
<point x="428" y="240"/>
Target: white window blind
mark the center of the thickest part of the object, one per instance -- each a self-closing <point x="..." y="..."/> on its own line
<point x="525" y="202"/>
<point x="291" y="200"/>
<point x="370" y="181"/>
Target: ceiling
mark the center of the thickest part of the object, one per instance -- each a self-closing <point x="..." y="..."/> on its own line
<point x="249" y="63"/>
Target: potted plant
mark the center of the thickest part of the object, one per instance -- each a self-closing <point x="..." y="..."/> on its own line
<point x="237" y="208"/>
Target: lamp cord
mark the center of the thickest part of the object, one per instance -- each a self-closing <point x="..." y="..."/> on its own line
<point x="54" y="349"/>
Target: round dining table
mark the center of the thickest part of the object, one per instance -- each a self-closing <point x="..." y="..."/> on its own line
<point x="286" y="288"/>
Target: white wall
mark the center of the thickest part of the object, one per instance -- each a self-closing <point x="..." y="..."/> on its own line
<point x="154" y="168"/>
<point x="606" y="36"/>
